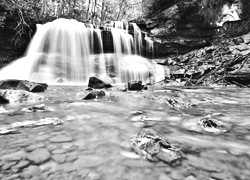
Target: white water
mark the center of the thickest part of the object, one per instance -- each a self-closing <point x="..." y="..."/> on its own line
<point x="63" y="50"/>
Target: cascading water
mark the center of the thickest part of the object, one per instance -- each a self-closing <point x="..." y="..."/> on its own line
<point x="68" y="51"/>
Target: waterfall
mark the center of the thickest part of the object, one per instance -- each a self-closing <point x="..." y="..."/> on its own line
<point x="69" y="51"/>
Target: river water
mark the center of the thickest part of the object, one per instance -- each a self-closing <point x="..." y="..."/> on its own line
<point x="99" y="133"/>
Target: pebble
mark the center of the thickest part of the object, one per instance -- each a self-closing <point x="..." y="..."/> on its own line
<point x="12" y="177"/>
<point x="39" y="156"/>
<point x="34" y="147"/>
<point x="176" y="175"/>
<point x="88" y="161"/>
<point x="61" y="139"/>
<point x="59" y="158"/>
<point x="71" y="157"/>
<point x="8" y="165"/>
<point x="31" y="171"/>
<point x="190" y="178"/>
<point x="59" y="151"/>
<point x="17" y="156"/>
<point x="164" y="177"/>
<point x="22" y="164"/>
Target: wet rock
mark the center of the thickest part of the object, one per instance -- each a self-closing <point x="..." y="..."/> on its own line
<point x="31" y="171"/>
<point x="190" y="178"/>
<point x="18" y="96"/>
<point x="61" y="139"/>
<point x="8" y="165"/>
<point x="98" y="83"/>
<point x="23" y="85"/>
<point x="22" y="164"/>
<point x="59" y="151"/>
<point x="71" y="157"/>
<point x="59" y="158"/>
<point x="134" y="85"/>
<point x="178" y="103"/>
<point x="37" y="108"/>
<point x="39" y="156"/>
<point x="93" y="95"/>
<point x="35" y="146"/>
<point x="88" y="161"/>
<point x="150" y="144"/>
<point x="3" y="100"/>
<point x="13" y="177"/>
<point x="164" y="177"/>
<point x="210" y="124"/>
<point x="17" y="156"/>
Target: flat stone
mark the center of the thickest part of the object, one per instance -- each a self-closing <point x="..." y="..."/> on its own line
<point x="164" y="177"/>
<point x="22" y="164"/>
<point x="190" y="178"/>
<point x="88" y="161"/>
<point x="8" y="165"/>
<point x="39" y="156"/>
<point x="12" y="177"/>
<point x="31" y="171"/>
<point x="59" y="158"/>
<point x="176" y="175"/>
<point x="35" y="146"/>
<point x="59" y="151"/>
<point x="61" y="139"/>
<point x="17" y="156"/>
<point x="71" y="157"/>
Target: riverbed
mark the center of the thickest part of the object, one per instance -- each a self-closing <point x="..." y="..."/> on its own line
<point x="93" y="140"/>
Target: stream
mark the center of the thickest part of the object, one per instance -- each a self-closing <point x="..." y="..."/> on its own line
<point x="93" y="142"/>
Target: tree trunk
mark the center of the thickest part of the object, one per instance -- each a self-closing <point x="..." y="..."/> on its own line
<point x="43" y="11"/>
<point x="120" y="9"/>
<point x="88" y="9"/>
<point x="103" y="10"/>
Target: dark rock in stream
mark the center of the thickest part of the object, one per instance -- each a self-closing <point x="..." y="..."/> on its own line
<point x="90" y="95"/>
<point x="3" y="100"/>
<point x="97" y="83"/>
<point x="135" y="85"/>
<point x="15" y="84"/>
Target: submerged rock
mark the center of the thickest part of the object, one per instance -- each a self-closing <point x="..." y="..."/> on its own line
<point x="210" y="124"/>
<point x="23" y="85"/>
<point x="36" y="108"/>
<point x="149" y="143"/>
<point x="97" y="83"/>
<point x="18" y="96"/>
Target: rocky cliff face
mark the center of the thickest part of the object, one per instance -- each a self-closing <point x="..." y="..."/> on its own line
<point x="193" y="24"/>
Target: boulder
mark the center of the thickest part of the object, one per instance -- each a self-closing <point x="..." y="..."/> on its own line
<point x="135" y="85"/>
<point x="19" y="96"/>
<point x="3" y="100"/>
<point x="23" y="85"/>
<point x="98" y="83"/>
<point x="90" y="95"/>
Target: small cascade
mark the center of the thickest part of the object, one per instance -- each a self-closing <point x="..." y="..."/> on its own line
<point x="137" y="39"/>
<point x="72" y="52"/>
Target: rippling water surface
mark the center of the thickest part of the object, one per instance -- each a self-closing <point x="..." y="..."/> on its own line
<point x="101" y="130"/>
